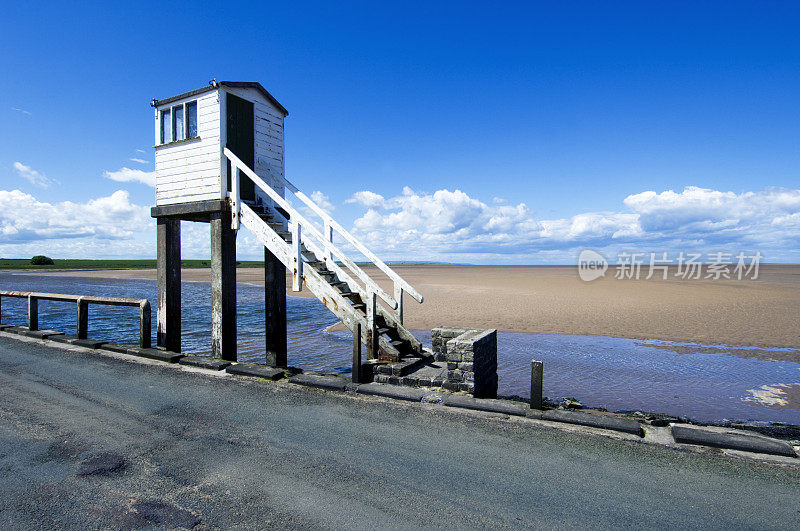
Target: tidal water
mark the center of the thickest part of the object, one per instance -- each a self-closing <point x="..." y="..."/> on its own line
<point x="701" y="382"/>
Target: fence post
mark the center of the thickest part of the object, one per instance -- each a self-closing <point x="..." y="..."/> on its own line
<point x="235" y="197"/>
<point x="371" y="332"/>
<point x="328" y="235"/>
<point x="357" y="353"/>
<point x="536" y="384"/>
<point x="33" y="313"/>
<point x="297" y="274"/>
<point x="83" y="319"/>
<point x="144" y="325"/>
<point x="398" y="297"/>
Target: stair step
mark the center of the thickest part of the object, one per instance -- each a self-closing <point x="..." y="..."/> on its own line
<point x="315" y="263"/>
<point x="349" y="294"/>
<point x="340" y="284"/>
<point x="397" y="343"/>
<point x="326" y="273"/>
<point x="359" y="306"/>
<point x="383" y="330"/>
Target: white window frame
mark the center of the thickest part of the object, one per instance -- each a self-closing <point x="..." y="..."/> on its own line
<point x="171" y="110"/>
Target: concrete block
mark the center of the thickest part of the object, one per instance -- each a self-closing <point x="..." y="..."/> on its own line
<point x="391" y="391"/>
<point x="496" y="406"/>
<point x="42" y="334"/>
<point x="156" y="354"/>
<point x="88" y="343"/>
<point x="19" y="330"/>
<point x="204" y="362"/>
<point x="323" y="382"/>
<point x="4" y="326"/>
<point x="258" y="371"/>
<point x="596" y="421"/>
<point x="732" y="440"/>
<point x="119" y="347"/>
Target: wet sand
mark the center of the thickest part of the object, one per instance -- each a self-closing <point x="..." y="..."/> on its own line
<point x="553" y="300"/>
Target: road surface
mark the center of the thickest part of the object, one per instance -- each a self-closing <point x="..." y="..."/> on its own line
<point x="88" y="440"/>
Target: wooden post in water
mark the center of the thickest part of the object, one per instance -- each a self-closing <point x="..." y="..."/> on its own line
<point x="33" y="313"/>
<point x="168" y="265"/>
<point x="223" y="287"/>
<point x="536" y="384"/>
<point x="82" y="326"/>
<point x="274" y="309"/>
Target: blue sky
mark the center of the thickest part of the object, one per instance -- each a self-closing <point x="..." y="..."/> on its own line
<point x="464" y="132"/>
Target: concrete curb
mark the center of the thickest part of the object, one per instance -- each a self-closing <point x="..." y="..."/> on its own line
<point x="688" y="434"/>
<point x="483" y="404"/>
<point x="156" y="354"/>
<point x="258" y="371"/>
<point x="334" y="383"/>
<point x="72" y="340"/>
<point x="392" y="391"/>
<point x="203" y="362"/>
<point x="119" y="347"/>
<point x="596" y="421"/>
<point x="42" y="334"/>
<point x="14" y="329"/>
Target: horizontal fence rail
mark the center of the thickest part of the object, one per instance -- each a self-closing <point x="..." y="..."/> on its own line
<point x="82" y="317"/>
<point x="323" y="240"/>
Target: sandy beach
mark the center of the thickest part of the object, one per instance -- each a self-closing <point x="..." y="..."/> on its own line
<point x="553" y="300"/>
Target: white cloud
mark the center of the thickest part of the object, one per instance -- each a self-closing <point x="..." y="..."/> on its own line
<point x="367" y="199"/>
<point x="140" y="161"/>
<point x="323" y="201"/>
<point x="23" y="111"/>
<point x="140" y="150"/>
<point x="33" y="176"/>
<point x="452" y="226"/>
<point x="125" y="175"/>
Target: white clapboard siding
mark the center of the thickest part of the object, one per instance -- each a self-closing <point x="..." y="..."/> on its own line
<point x="189" y="171"/>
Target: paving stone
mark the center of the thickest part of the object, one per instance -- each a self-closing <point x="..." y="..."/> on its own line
<point x="325" y="382"/>
<point x="156" y="354"/>
<point x="204" y="362"/>
<point x="42" y="334"/>
<point x="497" y="406"/>
<point x="688" y="434"/>
<point x="392" y="391"/>
<point x="594" y="420"/>
<point x="259" y="371"/>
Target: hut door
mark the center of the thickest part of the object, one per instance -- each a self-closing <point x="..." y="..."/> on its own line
<point x="241" y="132"/>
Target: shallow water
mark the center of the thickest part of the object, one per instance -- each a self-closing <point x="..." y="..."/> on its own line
<point x="703" y="382"/>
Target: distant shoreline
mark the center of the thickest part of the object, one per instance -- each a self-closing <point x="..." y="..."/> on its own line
<point x="553" y="300"/>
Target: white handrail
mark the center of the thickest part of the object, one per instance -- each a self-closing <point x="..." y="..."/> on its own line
<point x="329" y="221"/>
<point x="309" y="228"/>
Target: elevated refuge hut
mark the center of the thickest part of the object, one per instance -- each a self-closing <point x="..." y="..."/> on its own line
<point x="219" y="159"/>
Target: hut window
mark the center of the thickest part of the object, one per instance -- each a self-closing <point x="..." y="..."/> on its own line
<point x="166" y="127"/>
<point x="191" y="119"/>
<point x="178" y="125"/>
<point x="179" y="122"/>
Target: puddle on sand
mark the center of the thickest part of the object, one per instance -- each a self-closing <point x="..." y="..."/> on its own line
<point x="703" y="382"/>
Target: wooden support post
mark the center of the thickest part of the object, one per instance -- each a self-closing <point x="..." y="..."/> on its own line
<point x="223" y="287"/>
<point x="357" y="353"/>
<point x="168" y="310"/>
<point x="144" y="325"/>
<point x="33" y="313"/>
<point x="275" y="309"/>
<point x="371" y="331"/>
<point x="398" y="297"/>
<point x="297" y="257"/>
<point x="328" y="234"/>
<point x="536" y="384"/>
<point x="82" y="326"/>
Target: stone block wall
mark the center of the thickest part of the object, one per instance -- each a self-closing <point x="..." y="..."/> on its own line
<point x="471" y="358"/>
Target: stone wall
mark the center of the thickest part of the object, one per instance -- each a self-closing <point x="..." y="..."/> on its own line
<point x="471" y="357"/>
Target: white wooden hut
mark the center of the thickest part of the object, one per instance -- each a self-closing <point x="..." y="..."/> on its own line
<point x="192" y="129"/>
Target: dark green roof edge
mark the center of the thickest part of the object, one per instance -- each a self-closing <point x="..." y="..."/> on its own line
<point x="234" y="84"/>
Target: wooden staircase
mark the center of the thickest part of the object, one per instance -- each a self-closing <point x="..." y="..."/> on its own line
<point x="322" y="267"/>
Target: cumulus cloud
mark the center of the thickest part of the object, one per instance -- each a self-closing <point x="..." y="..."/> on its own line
<point x="32" y="176"/>
<point x="126" y="175"/>
<point x="440" y="224"/>
<point x="323" y="201"/>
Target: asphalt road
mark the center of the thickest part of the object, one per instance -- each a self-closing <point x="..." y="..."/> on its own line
<point x="88" y="440"/>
